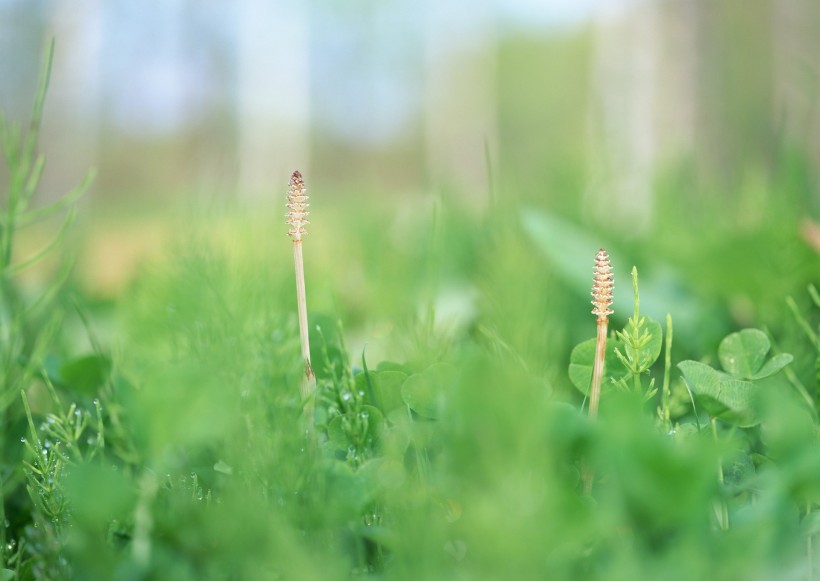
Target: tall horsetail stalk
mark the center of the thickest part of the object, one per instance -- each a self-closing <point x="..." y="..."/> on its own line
<point x="297" y="204"/>
<point x="602" y="287"/>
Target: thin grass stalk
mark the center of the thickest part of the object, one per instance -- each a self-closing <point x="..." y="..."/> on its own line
<point x="722" y="509"/>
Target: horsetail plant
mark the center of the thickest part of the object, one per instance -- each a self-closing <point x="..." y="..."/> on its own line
<point x="297" y="204"/>
<point x="602" y="287"/>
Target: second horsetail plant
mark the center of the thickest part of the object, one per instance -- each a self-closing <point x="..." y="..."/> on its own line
<point x="297" y="204"/>
<point x="602" y="288"/>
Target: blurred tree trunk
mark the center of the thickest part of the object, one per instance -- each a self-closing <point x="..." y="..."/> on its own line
<point x="679" y="80"/>
<point x="627" y="116"/>
<point x="273" y="94"/>
<point x="71" y="129"/>
<point x="735" y="81"/>
<point x="797" y="74"/>
<point x="460" y="93"/>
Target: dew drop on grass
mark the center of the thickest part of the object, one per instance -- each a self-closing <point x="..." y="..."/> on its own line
<point x="77" y="413"/>
<point x="23" y="439"/>
<point x="346" y="396"/>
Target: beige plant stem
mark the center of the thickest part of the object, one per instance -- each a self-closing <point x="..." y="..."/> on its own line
<point x="602" y="287"/>
<point x="297" y="204"/>
<point x="598" y="369"/>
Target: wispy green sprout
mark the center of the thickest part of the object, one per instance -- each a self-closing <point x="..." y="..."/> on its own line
<point x="642" y="342"/>
<point x="297" y="204"/>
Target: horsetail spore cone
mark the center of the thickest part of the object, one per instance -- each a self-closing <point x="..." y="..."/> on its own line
<point x="297" y="207"/>
<point x="297" y="204"/>
<point x="602" y="287"/>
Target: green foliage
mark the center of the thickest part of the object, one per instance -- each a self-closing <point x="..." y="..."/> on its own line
<point x="642" y="339"/>
<point x="581" y="360"/>
<point x="730" y="395"/>
<point x="629" y="354"/>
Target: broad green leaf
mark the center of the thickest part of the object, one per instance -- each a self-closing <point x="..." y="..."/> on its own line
<point x="6" y="574"/>
<point x="582" y="359"/>
<point x="742" y="354"/>
<point x="85" y="374"/>
<point x="421" y="395"/>
<point x="700" y="377"/>
<point x="728" y="399"/>
<point x="774" y="365"/>
<point x="386" y="388"/>
<point x="424" y="392"/>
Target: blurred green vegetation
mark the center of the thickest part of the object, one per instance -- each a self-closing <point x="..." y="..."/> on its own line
<point x="205" y="470"/>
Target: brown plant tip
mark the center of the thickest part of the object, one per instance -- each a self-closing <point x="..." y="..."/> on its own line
<point x="602" y="286"/>
<point x="297" y="205"/>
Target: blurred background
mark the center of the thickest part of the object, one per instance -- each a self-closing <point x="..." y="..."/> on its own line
<point x="588" y="108"/>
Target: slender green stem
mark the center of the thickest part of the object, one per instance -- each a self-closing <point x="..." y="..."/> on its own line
<point x="724" y="508"/>
<point x="666" y="394"/>
<point x="143" y="520"/>
<point x="3" y="558"/>
<point x="798" y="317"/>
<point x="809" y="549"/>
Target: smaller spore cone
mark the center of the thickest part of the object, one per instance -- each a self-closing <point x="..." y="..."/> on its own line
<point x="297" y="204"/>
<point x="602" y="286"/>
